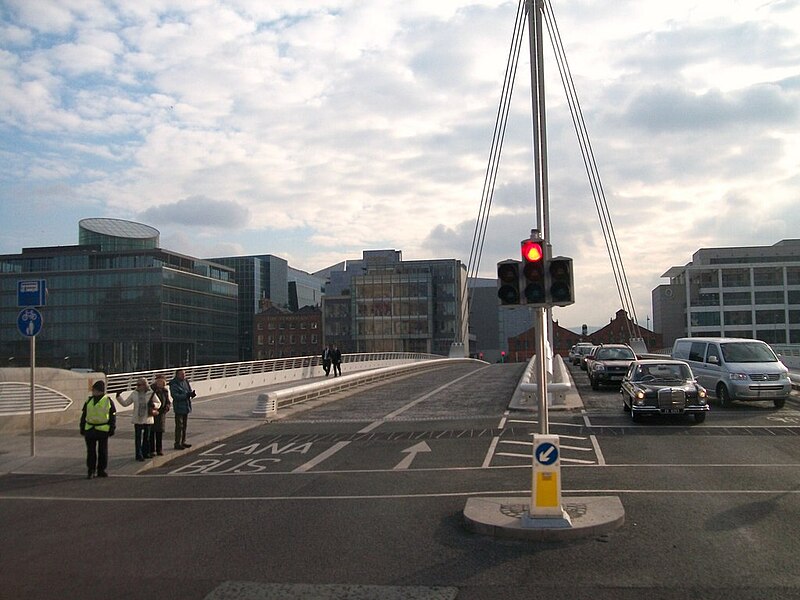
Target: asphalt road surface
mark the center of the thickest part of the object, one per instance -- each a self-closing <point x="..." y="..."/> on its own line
<point x="362" y="497"/>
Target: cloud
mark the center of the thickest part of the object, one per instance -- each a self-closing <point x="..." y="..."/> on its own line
<point x="198" y="211"/>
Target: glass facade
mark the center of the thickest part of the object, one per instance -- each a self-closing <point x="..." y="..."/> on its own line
<point x="396" y="306"/>
<point x="121" y="311"/>
<point x="262" y="277"/>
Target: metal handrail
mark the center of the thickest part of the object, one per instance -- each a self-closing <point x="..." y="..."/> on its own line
<point x="120" y="382"/>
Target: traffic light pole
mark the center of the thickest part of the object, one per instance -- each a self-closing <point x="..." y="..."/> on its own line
<point x="535" y="8"/>
<point x="541" y="369"/>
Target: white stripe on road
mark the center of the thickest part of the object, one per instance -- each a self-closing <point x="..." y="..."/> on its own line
<point x="320" y="457"/>
<point x="84" y="499"/>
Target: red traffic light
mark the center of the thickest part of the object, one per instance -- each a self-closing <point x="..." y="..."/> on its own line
<point x="532" y="251"/>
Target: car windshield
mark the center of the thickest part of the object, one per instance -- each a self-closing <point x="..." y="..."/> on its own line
<point x="584" y="349"/>
<point x="662" y="372"/>
<point x="615" y="354"/>
<point x="744" y="352"/>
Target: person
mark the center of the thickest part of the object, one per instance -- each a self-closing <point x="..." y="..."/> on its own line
<point x="98" y="423"/>
<point x="326" y="359"/>
<point x="159" y="389"/>
<point x="336" y="359"/>
<point x="142" y="418"/>
<point x="182" y="394"/>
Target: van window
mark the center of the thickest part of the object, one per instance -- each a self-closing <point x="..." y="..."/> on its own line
<point x="743" y="352"/>
<point x="698" y="351"/>
<point x="681" y="350"/>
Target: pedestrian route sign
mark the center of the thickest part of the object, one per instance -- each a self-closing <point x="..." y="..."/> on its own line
<point x="29" y="322"/>
<point x="32" y="292"/>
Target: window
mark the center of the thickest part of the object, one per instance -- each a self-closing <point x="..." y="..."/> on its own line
<point x="737" y="299"/>
<point x="775" y="297"/>
<point x="705" y="319"/>
<point x="770" y="316"/>
<point x="736" y="278"/>
<point x="763" y="276"/>
<point x="738" y="317"/>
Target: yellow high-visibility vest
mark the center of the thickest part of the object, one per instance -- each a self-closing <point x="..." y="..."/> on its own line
<point x="98" y="414"/>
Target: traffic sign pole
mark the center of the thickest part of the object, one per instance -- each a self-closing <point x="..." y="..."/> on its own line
<point x="33" y="395"/>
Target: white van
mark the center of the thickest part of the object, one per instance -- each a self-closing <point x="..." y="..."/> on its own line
<point x="735" y="368"/>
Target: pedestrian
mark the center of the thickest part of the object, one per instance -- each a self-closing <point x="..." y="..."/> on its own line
<point x="159" y="389"/>
<point x="145" y="405"/>
<point x="182" y="393"/>
<point x="336" y="359"/>
<point x="98" y="423"/>
<point x="326" y="359"/>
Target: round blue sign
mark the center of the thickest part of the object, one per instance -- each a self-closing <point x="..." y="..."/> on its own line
<point x="546" y="453"/>
<point x="29" y="322"/>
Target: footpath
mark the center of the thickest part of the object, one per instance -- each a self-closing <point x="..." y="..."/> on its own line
<point x="62" y="451"/>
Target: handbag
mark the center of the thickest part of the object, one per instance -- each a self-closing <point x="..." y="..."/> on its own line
<point x="151" y="407"/>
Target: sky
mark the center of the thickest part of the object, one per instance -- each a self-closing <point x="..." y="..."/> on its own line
<point x="314" y="130"/>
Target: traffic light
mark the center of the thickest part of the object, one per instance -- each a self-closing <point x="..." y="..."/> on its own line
<point x="560" y="285"/>
<point x="508" y="281"/>
<point x="533" y="273"/>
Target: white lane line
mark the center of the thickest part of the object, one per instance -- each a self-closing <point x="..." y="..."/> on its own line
<point x="115" y="500"/>
<point x="320" y="457"/>
<point x="413" y="403"/>
<point x="601" y="460"/>
<point x="375" y="424"/>
<point x="487" y="460"/>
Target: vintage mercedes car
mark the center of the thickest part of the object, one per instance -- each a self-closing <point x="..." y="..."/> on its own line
<point x="663" y="387"/>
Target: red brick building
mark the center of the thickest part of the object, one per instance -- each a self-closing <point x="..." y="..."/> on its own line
<point x="280" y="333"/>
<point x="522" y="347"/>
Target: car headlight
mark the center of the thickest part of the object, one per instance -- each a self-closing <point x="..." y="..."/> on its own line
<point x="739" y="376"/>
<point x="598" y="367"/>
<point x="701" y="393"/>
<point x="640" y="395"/>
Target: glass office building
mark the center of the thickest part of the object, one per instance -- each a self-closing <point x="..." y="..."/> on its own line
<point x="385" y="304"/>
<point x="118" y="303"/>
<point x="259" y="277"/>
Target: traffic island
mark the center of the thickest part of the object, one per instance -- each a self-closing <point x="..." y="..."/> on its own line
<point x="509" y="518"/>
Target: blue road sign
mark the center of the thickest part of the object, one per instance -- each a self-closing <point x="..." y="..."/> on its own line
<point x="546" y="453"/>
<point x="29" y="322"/>
<point x="32" y="292"/>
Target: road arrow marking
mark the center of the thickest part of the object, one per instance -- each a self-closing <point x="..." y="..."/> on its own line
<point x="412" y="453"/>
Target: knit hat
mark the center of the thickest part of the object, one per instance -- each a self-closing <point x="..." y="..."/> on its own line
<point x="100" y="386"/>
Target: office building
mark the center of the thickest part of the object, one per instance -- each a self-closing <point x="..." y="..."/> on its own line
<point x="382" y="303"/>
<point x="750" y="292"/>
<point x="116" y="302"/>
<point x="259" y="277"/>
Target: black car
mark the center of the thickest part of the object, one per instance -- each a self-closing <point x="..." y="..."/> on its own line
<point x="608" y="363"/>
<point x="663" y="387"/>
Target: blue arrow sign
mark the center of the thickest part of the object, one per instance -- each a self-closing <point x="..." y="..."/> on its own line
<point x="29" y="322"/>
<point x="546" y="453"/>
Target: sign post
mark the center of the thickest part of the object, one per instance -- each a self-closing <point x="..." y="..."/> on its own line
<point x="31" y="293"/>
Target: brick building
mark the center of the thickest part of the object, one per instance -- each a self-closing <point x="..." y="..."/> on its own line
<point x="281" y="333"/>
<point x="521" y="348"/>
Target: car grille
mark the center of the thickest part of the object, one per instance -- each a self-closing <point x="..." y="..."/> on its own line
<point x="765" y="376"/>
<point x="671" y="398"/>
<point x="616" y="370"/>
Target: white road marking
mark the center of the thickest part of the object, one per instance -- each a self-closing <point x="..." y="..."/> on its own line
<point x="115" y="500"/>
<point x="489" y="453"/>
<point x="320" y="457"/>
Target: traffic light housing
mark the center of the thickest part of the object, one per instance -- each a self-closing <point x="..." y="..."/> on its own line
<point x="508" y="282"/>
<point x="533" y="284"/>
<point x="560" y="284"/>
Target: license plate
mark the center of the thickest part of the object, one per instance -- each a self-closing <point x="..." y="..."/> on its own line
<point x="672" y="411"/>
<point x="616" y="378"/>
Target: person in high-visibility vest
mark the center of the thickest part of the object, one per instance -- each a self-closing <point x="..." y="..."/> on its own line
<point x="98" y="423"/>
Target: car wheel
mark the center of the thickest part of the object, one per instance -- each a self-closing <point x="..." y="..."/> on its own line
<point x="723" y="396"/>
<point x="779" y="402"/>
<point x="699" y="417"/>
<point x="595" y="385"/>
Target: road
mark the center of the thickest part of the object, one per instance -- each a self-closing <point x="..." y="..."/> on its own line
<point x="368" y="491"/>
